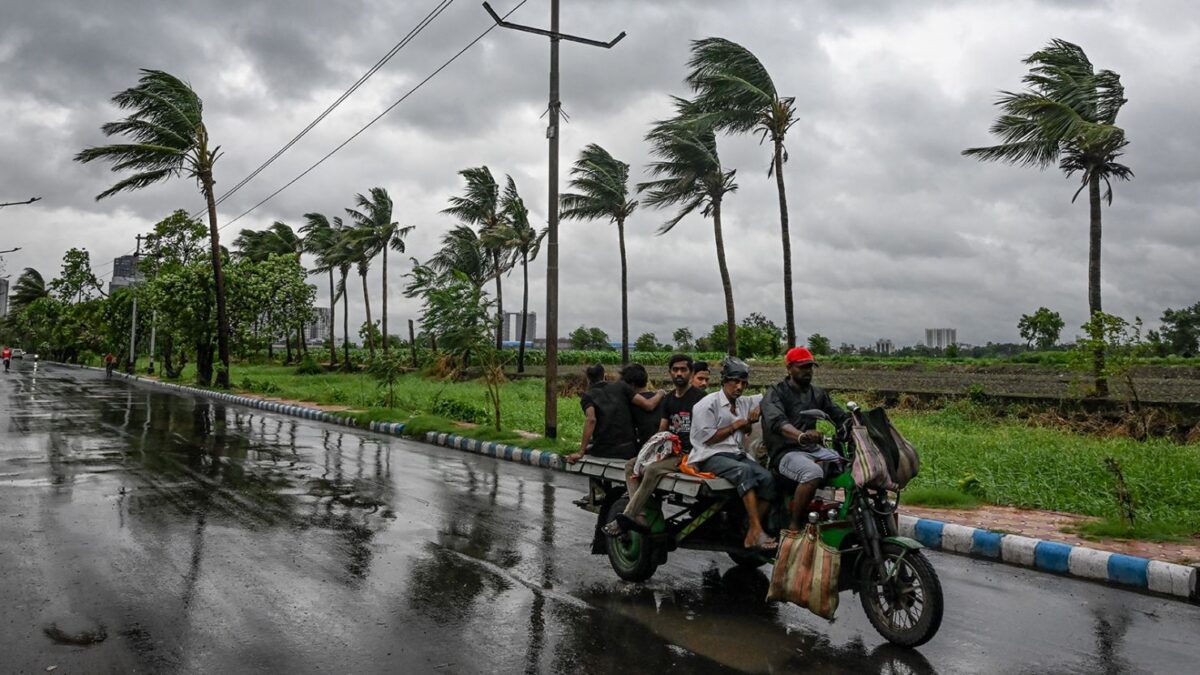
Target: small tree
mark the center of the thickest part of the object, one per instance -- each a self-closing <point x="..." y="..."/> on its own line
<point x="1121" y="343"/>
<point x="1041" y="328"/>
<point x="387" y="367"/>
<point x="683" y="339"/>
<point x="1181" y="330"/>
<point x="819" y="344"/>
<point x="646" y="342"/>
<point x="583" y="338"/>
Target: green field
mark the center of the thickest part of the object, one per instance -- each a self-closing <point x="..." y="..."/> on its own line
<point x="1012" y="462"/>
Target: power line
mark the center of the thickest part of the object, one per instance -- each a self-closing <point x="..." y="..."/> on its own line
<point x="378" y="117"/>
<point x="441" y="6"/>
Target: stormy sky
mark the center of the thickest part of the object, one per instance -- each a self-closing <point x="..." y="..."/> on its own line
<point x="893" y="231"/>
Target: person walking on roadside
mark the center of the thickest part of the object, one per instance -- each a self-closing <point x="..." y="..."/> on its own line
<point x="676" y="418"/>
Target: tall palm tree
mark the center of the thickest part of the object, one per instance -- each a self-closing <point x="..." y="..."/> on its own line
<point x="733" y="87"/>
<point x="320" y="240"/>
<point x="30" y="286"/>
<point x="601" y="191"/>
<point x="525" y="242"/>
<point x="354" y="249"/>
<point x="688" y="175"/>
<point x="480" y="206"/>
<point x="1066" y="115"/>
<point x="378" y="232"/>
<point x="169" y="139"/>
<point x="341" y="256"/>
<point x="462" y="251"/>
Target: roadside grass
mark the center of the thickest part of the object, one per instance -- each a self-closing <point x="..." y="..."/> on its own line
<point x="1006" y="461"/>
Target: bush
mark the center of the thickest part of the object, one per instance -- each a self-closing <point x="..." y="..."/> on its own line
<point x="458" y="410"/>
<point x="309" y="366"/>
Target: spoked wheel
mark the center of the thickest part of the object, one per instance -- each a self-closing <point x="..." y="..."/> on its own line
<point x="905" y="606"/>
<point x="631" y="555"/>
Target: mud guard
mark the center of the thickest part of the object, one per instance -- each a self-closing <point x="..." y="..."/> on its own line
<point x="905" y="542"/>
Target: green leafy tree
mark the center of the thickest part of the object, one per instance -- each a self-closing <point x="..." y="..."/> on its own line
<point x="76" y="282"/>
<point x="601" y="192"/>
<point x="176" y="241"/>
<point x="683" y="339"/>
<point x="375" y="229"/>
<point x="819" y="345"/>
<point x="169" y="139"/>
<point x="457" y="313"/>
<point x="387" y="368"/>
<point x="687" y="174"/>
<point x="1181" y="330"/>
<point x="525" y="242"/>
<point x="277" y="240"/>
<point x="734" y="91"/>
<point x="1067" y="115"/>
<point x="480" y="205"/>
<point x="584" y="338"/>
<point x="758" y="336"/>
<point x="1042" y="328"/>
<point x="646" y="342"/>
<point x="462" y="251"/>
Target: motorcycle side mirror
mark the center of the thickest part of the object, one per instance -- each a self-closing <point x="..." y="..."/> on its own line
<point x="851" y="406"/>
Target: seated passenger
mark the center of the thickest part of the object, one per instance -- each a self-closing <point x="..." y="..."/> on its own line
<point x="675" y="417"/>
<point x="793" y="443"/>
<point x="645" y="422"/>
<point x="607" y="425"/>
<point x="719" y="422"/>
<point x="700" y="376"/>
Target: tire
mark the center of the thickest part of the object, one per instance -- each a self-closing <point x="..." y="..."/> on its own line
<point x="632" y="557"/>
<point x="919" y="589"/>
<point x="749" y="560"/>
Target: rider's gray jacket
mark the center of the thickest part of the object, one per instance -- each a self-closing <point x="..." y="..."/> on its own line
<point x="782" y="404"/>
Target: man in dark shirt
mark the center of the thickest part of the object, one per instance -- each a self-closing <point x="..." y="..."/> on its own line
<point x="645" y="422"/>
<point x="607" y="425"/>
<point x="793" y="443"/>
<point x="676" y="417"/>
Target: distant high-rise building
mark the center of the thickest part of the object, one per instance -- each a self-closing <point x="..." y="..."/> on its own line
<point x="884" y="346"/>
<point x="940" y="338"/>
<point x="125" y="272"/>
<point x="3" y="297"/>
<point x="512" y="326"/>
<point x="318" y="330"/>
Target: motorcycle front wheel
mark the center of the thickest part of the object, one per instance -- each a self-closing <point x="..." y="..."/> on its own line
<point x="904" y="600"/>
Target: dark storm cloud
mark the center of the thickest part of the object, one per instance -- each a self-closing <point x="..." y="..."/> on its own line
<point x="893" y="230"/>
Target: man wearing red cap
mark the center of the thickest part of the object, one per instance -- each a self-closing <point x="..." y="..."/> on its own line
<point x="793" y="443"/>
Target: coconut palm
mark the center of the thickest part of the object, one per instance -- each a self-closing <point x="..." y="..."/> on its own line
<point x="733" y="87"/>
<point x="341" y="255"/>
<point x="601" y="192"/>
<point x="1067" y="115"/>
<point x="688" y="175"/>
<point x="525" y="242"/>
<point x="463" y="251"/>
<point x="354" y="248"/>
<point x="480" y="206"/>
<point x="30" y="286"/>
<point x="378" y="232"/>
<point x="320" y="240"/>
<point x="168" y="139"/>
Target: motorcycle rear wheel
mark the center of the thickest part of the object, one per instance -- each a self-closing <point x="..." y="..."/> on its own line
<point x="906" y="605"/>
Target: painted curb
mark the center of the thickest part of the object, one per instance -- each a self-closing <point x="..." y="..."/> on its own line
<point x="1068" y="560"/>
<point x="1056" y="558"/>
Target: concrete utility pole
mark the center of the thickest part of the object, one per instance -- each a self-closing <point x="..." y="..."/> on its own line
<point x="554" y="111"/>
<point x="129" y="368"/>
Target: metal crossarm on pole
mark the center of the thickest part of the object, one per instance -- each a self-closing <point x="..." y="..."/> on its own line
<point x="555" y="112"/>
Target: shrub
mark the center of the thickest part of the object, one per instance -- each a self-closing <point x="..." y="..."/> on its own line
<point x="461" y="411"/>
<point x="309" y="366"/>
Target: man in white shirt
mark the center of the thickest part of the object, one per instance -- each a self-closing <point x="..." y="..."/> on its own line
<point x="719" y="424"/>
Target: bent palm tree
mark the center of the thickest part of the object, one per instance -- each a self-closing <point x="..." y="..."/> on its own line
<point x="30" y="286"/>
<point x="480" y="206"/>
<point x="1067" y="115"/>
<point x="688" y="175"/>
<point x="168" y="135"/>
<point x="738" y="95"/>
<point x="320" y="240"/>
<point x="462" y="251"/>
<point x="601" y="185"/>
<point x="379" y="232"/>
<point x="524" y="241"/>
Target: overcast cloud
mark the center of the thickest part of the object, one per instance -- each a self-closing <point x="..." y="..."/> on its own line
<point x="893" y="231"/>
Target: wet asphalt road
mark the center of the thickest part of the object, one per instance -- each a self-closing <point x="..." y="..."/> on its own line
<point x="194" y="537"/>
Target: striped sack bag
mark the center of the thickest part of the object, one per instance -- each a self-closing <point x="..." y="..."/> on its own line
<point x="806" y="572"/>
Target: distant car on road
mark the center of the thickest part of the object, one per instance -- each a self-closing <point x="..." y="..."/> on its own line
<point x="18" y="353"/>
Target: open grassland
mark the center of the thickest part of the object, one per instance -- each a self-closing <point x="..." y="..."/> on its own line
<point x="967" y="452"/>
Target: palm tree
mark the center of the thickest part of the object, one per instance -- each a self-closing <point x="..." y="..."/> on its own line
<point x="341" y="255"/>
<point x="524" y="241"/>
<point x="320" y="239"/>
<point x="373" y="220"/>
<point x="1067" y="115"/>
<point x="732" y="86"/>
<point x="30" y="286"/>
<point x="688" y="174"/>
<point x="353" y="248"/>
<point x="480" y="206"/>
<point x="463" y="251"/>
<point x="168" y="135"/>
<point x="601" y="184"/>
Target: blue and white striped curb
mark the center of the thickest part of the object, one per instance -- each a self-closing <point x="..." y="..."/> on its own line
<point x="1046" y="556"/>
<point x="1050" y="556"/>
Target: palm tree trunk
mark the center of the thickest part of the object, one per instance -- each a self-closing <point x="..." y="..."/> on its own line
<point x="624" y="293"/>
<point x="1094" y="306"/>
<point x="789" y="312"/>
<point x="370" y="324"/>
<point x="206" y="181"/>
<point x="345" y="323"/>
<point x="332" y="323"/>
<point x="499" y="302"/>
<point x="524" y="312"/>
<point x="385" y="331"/>
<point x="726" y="284"/>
